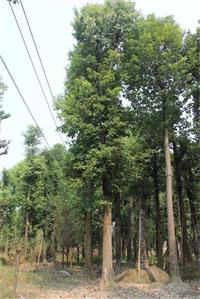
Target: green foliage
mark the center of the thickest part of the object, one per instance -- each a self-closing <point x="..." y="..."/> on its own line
<point x="31" y="140"/>
<point x="3" y="115"/>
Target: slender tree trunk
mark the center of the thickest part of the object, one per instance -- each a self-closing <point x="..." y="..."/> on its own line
<point x="174" y="267"/>
<point x="67" y="256"/>
<point x="184" y="236"/>
<point x="118" y="246"/>
<point x="139" y="239"/>
<point x="129" y="241"/>
<point x="27" y="225"/>
<point x="124" y="233"/>
<point x="159" y="241"/>
<point x="63" y="257"/>
<point x="100" y="234"/>
<point x="142" y="253"/>
<point x="26" y="235"/>
<point x="194" y="219"/>
<point x="40" y="250"/>
<point x="78" y="254"/>
<point x="88" y="243"/>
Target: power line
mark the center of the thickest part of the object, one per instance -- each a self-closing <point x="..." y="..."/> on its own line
<point x="39" y="56"/>
<point x="42" y="65"/>
<point x="35" y="71"/>
<point x="26" y="105"/>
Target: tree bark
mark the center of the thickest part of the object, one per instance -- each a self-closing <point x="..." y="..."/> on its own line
<point x="130" y="237"/>
<point x="107" y="267"/>
<point x="142" y="253"/>
<point x="159" y="240"/>
<point x="194" y="219"/>
<point x="78" y="254"/>
<point x="88" y="243"/>
<point x="184" y="237"/>
<point x="40" y="250"/>
<point x="173" y="260"/>
<point x="27" y="225"/>
<point x="118" y="245"/>
<point x="107" y="262"/>
<point x="63" y="257"/>
<point x="26" y="235"/>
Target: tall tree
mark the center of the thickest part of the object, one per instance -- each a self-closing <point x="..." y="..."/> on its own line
<point x="92" y="109"/>
<point x="153" y="84"/>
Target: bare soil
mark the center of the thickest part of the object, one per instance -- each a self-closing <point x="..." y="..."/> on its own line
<point x="50" y="283"/>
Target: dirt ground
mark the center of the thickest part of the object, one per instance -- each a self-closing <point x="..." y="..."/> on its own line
<point x="122" y="291"/>
<point x="52" y="284"/>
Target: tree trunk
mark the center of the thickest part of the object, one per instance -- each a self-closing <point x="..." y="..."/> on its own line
<point x="194" y="219"/>
<point x="26" y="235"/>
<point x="27" y="226"/>
<point x="142" y="253"/>
<point x="78" y="254"/>
<point x="118" y="246"/>
<point x="88" y="243"/>
<point x="63" y="257"/>
<point x="184" y="237"/>
<point x="130" y="237"/>
<point x="40" y="250"/>
<point x="107" y="267"/>
<point x="107" y="262"/>
<point x="159" y="241"/>
<point x="174" y="267"/>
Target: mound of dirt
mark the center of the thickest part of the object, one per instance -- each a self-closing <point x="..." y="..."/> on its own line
<point x="144" y="276"/>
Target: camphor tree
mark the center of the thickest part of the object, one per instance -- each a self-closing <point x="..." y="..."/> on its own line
<point x="92" y="108"/>
<point x="190" y="162"/>
<point x="154" y="76"/>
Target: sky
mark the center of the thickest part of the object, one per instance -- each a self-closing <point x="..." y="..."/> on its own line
<point x="50" y="21"/>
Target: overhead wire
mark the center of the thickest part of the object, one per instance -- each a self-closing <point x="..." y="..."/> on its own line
<point x="35" y="71"/>
<point x="36" y="48"/>
<point x="33" y="118"/>
<point x="26" y="105"/>
<point x="39" y="57"/>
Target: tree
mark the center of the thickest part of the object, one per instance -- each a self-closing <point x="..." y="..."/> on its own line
<point x="153" y="84"/>
<point x="192" y="54"/>
<point x="92" y="109"/>
<point x="32" y="138"/>
<point x="3" y="115"/>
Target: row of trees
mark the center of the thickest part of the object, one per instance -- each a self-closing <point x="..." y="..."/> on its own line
<point x="131" y="109"/>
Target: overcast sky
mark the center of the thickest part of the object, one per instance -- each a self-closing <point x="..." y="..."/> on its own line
<point x="50" y="21"/>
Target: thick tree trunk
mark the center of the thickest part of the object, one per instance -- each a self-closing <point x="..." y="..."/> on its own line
<point x="107" y="267"/>
<point x="184" y="237"/>
<point x="88" y="243"/>
<point x="107" y="263"/>
<point x="118" y="246"/>
<point x="159" y="241"/>
<point x="174" y="267"/>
